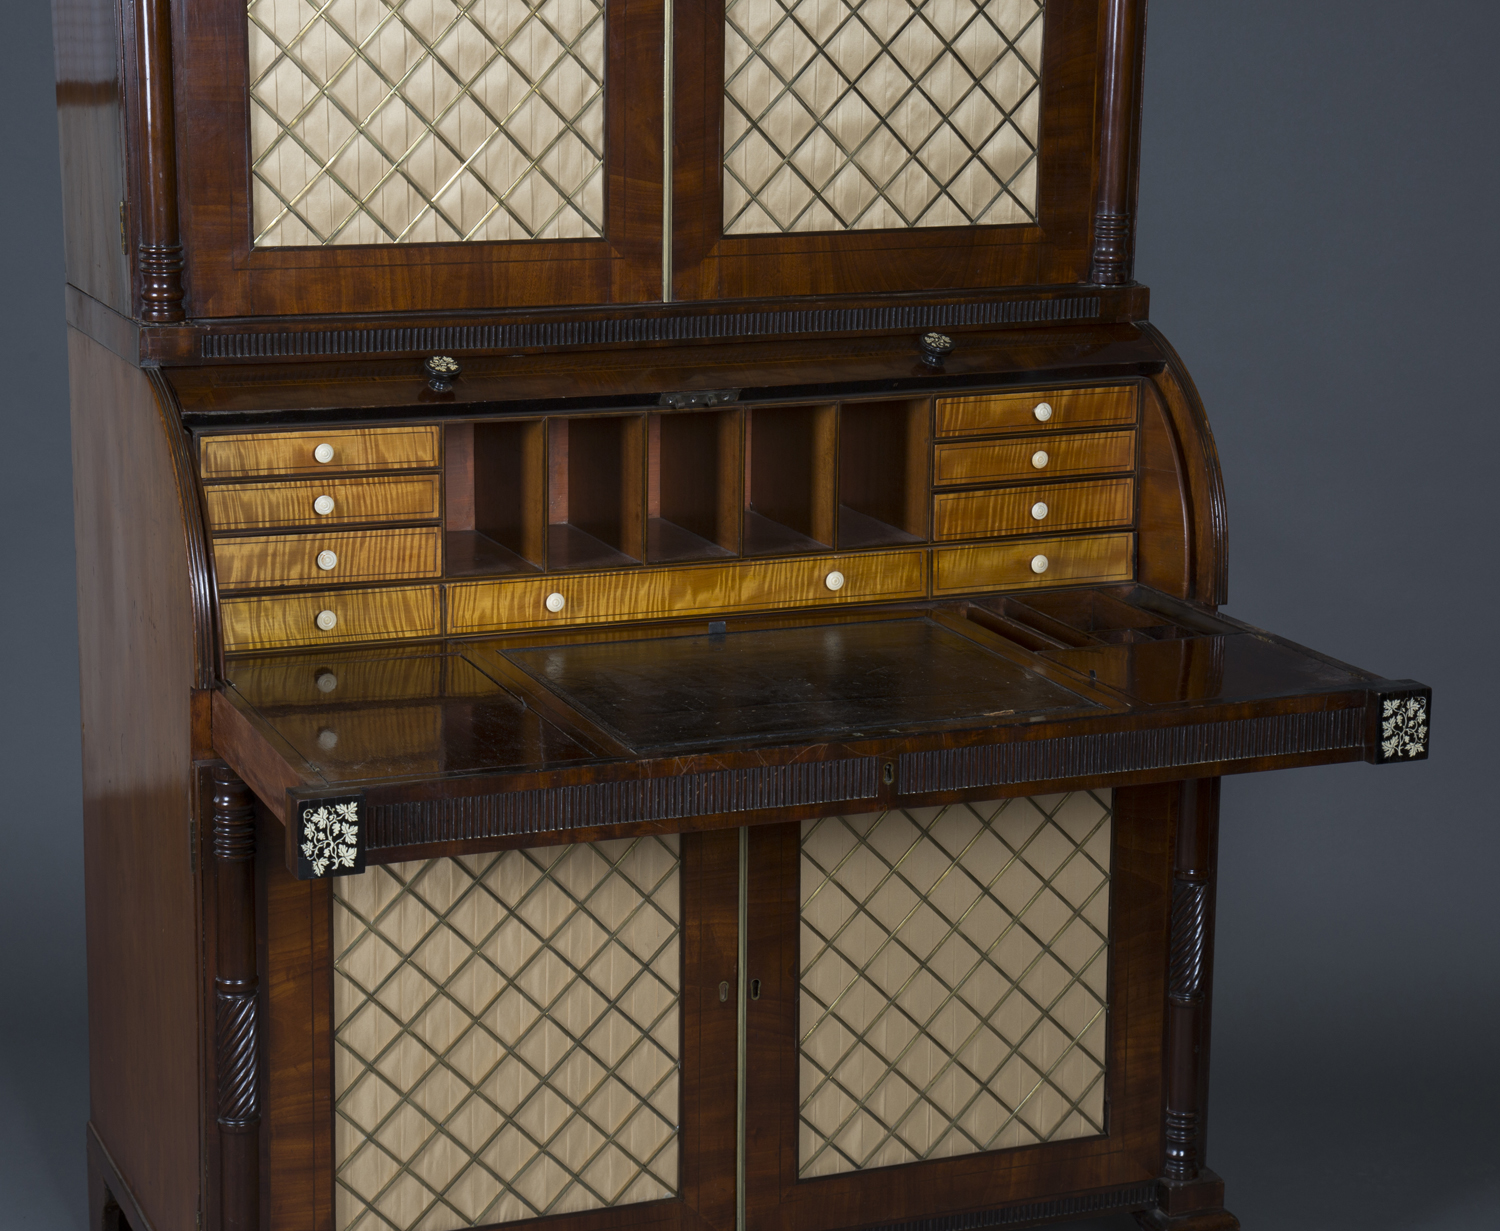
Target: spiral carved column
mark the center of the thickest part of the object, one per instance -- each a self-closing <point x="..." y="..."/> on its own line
<point x="236" y="991"/>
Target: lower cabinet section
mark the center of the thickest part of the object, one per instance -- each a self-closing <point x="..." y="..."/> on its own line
<point x="865" y="1018"/>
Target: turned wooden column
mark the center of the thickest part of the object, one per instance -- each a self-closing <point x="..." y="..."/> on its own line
<point x="236" y="990"/>
<point x="159" y="252"/>
<point x="1122" y="45"/>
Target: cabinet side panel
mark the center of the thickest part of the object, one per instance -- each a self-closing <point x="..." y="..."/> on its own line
<point x="88" y="121"/>
<point x="136" y="639"/>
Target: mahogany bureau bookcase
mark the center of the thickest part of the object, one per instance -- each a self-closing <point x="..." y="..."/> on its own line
<point x="649" y="620"/>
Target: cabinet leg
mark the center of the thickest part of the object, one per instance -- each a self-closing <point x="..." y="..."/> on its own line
<point x="236" y="991"/>
<point x="1189" y="1196"/>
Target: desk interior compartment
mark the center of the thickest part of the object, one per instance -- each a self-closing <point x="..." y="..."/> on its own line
<point x="496" y="497"/>
<point x="790" y="460"/>
<point x="882" y="473"/>
<point x="693" y="483"/>
<point x="595" y="502"/>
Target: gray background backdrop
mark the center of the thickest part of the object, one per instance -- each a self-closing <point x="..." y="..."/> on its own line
<point x="1317" y="225"/>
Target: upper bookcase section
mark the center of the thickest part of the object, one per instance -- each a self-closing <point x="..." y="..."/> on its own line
<point x="325" y="158"/>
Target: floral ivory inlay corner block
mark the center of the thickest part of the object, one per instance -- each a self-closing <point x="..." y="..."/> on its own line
<point x="330" y="837"/>
<point x="1403" y="726"/>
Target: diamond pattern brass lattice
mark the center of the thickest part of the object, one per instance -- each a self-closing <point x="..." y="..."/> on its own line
<point x="507" y="1035"/>
<point x="862" y="114"/>
<point x="423" y="121"/>
<point x="954" y="973"/>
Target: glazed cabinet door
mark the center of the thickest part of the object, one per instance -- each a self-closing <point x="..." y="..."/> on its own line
<point x="418" y="155"/>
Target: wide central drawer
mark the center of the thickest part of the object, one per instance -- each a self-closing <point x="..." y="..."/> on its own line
<point x="815" y="581"/>
<point x="257" y="506"/>
<point x="1034" y="457"/>
<point x="327" y="559"/>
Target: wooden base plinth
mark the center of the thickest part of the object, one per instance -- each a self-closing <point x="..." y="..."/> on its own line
<point x="1189" y="1205"/>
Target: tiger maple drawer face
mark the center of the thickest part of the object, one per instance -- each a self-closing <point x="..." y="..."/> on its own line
<point x="252" y="455"/>
<point x="329" y="618"/>
<point x="822" y="581"/>
<point x="1044" y="410"/>
<point x="1034" y="457"/>
<point x="1031" y="563"/>
<point x="1033" y="510"/>
<point x="269" y="506"/>
<point x="327" y="559"/>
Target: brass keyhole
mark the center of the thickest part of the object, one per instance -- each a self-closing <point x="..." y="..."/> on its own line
<point x="754" y="989"/>
<point x="723" y="991"/>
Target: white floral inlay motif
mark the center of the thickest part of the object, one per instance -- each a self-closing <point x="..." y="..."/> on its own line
<point x="330" y="836"/>
<point x="1403" y="727"/>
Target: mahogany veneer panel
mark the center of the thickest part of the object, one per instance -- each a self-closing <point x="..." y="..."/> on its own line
<point x="1008" y="566"/>
<point x="266" y="453"/>
<point x="999" y="461"/>
<point x="292" y="559"/>
<point x="363" y="615"/>
<point x="255" y="506"/>
<point x="1012" y="510"/>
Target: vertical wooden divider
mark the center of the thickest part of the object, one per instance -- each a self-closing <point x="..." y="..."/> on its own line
<point x="731" y="494"/>
<point x="825" y="474"/>
<point x="633" y="486"/>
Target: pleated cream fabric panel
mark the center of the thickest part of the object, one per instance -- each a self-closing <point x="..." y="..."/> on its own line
<point x="421" y="121"/>
<point x="862" y="114"/>
<point x="507" y="1035"/>
<point x="954" y="970"/>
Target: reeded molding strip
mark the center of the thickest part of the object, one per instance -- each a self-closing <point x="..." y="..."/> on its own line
<point x="559" y="809"/>
<point x="614" y="329"/>
<point x="1121" y="752"/>
<point x="1135" y="1196"/>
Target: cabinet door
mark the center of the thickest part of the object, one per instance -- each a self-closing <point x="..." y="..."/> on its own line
<point x="826" y="147"/>
<point x="956" y="1011"/>
<point x="422" y="155"/>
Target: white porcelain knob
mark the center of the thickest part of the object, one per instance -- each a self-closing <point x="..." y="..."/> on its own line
<point x="326" y="681"/>
<point x="556" y="602"/>
<point x="328" y="738"/>
<point x="1039" y="459"/>
<point x="323" y="506"/>
<point x="326" y="620"/>
<point x="1042" y="411"/>
<point x="327" y="560"/>
<point x="323" y="453"/>
<point x="1038" y="564"/>
<point x="834" y="580"/>
<point x="1039" y="510"/>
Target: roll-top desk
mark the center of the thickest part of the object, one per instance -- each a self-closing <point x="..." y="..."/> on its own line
<point x="650" y="621"/>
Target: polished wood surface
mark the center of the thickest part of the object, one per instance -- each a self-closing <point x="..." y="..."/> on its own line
<point x="363" y="615"/>
<point x="477" y="607"/>
<point x="253" y="454"/>
<point x="266" y="506"/>
<point x="1013" y="510"/>
<point x="1017" y="412"/>
<point x="1033" y="457"/>
<point x="1008" y="566"/>
<point x="137" y="642"/>
<point x="292" y="559"/>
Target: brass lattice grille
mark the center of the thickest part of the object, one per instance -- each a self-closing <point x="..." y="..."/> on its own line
<point x="421" y="121"/>
<point x="954" y="972"/>
<point x="862" y="114"/>
<point x="507" y="1037"/>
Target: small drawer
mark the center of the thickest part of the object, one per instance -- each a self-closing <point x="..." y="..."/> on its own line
<point x="252" y="454"/>
<point x="1035" y="457"/>
<point x="327" y="559"/>
<point x="1030" y="563"/>
<point x="703" y="590"/>
<point x="329" y="618"/>
<point x="268" y="506"/>
<point x="388" y="674"/>
<point x="1036" y="409"/>
<point x="1033" y="510"/>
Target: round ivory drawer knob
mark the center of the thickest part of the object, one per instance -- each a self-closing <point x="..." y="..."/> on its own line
<point x="323" y="453"/>
<point x="556" y="602"/>
<point x="327" y="560"/>
<point x="328" y="739"/>
<point x="1038" y="564"/>
<point x="326" y="620"/>
<point x="1038" y="511"/>
<point x="1042" y="411"/>
<point x="323" y="506"/>
<point x="326" y="681"/>
<point x="1039" y="459"/>
<point x="834" y="580"/>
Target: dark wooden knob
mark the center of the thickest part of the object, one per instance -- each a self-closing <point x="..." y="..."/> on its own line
<point x="442" y="371"/>
<point x="935" y="348"/>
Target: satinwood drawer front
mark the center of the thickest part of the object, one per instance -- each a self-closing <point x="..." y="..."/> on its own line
<point x="267" y="453"/>
<point x="594" y="598"/>
<point x="1028" y="563"/>
<point x="1037" y="409"/>
<point x="327" y="559"/>
<point x="388" y="674"/>
<point x="329" y="617"/>
<point x="1033" y="510"/>
<point x="257" y="506"/>
<point x="1034" y="457"/>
